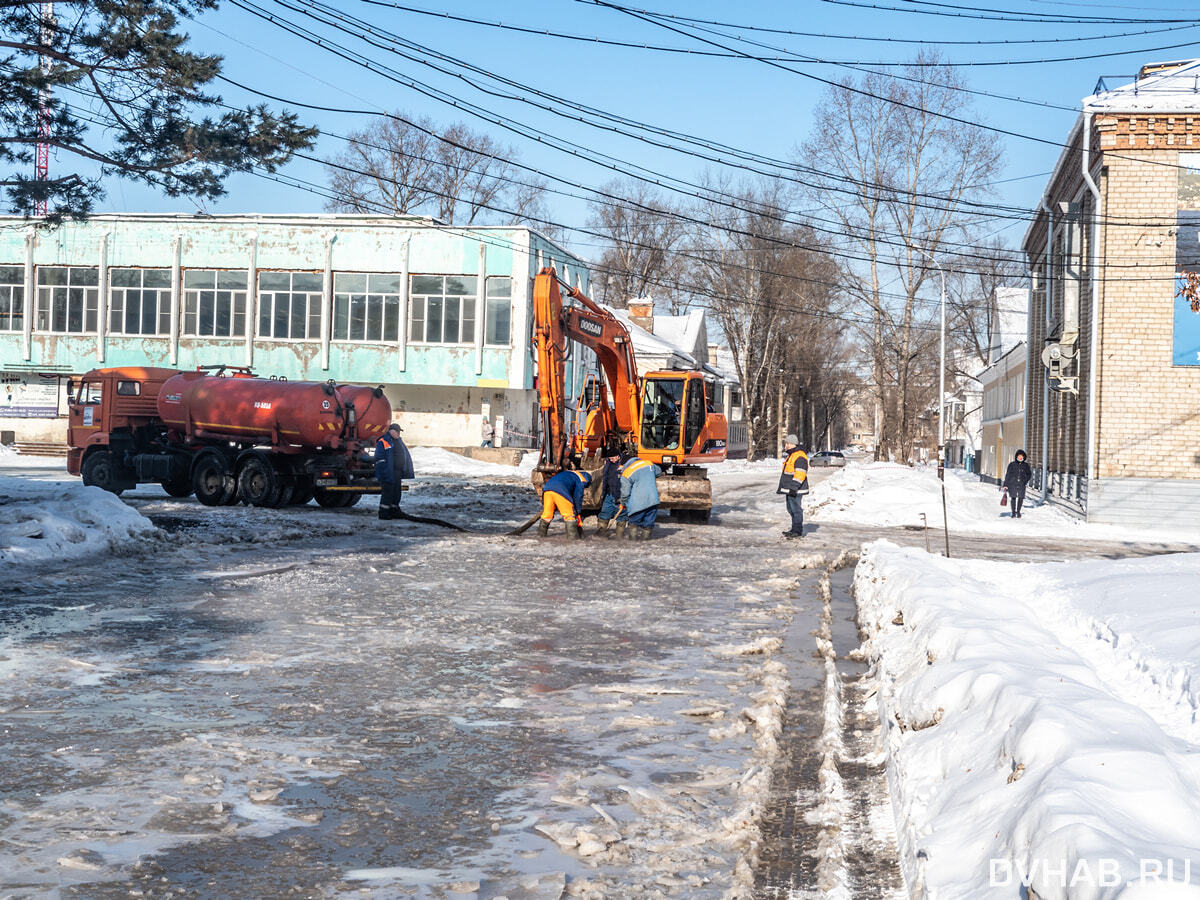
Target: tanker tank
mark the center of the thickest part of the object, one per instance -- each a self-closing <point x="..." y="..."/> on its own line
<point x="274" y="412"/>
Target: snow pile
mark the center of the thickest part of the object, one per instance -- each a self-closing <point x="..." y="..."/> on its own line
<point x="438" y="461"/>
<point x="745" y="466"/>
<point x="41" y="522"/>
<point x="1041" y="730"/>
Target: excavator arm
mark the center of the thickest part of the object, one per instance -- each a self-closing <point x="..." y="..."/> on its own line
<point x="589" y="324"/>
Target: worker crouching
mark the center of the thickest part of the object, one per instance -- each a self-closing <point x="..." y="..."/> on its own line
<point x="564" y="494"/>
<point x="610" y="491"/>
<point x="639" y="499"/>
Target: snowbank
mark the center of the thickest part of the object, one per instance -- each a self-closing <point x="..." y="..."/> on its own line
<point x="890" y="495"/>
<point x="437" y="461"/>
<point x="45" y="521"/>
<point x="1040" y="721"/>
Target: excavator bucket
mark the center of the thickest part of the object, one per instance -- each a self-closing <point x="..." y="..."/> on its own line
<point x="685" y="491"/>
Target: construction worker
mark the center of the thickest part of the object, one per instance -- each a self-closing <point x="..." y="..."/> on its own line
<point x="564" y="493"/>
<point x="393" y="464"/>
<point x="794" y="483"/>
<point x="610" y="490"/>
<point x="639" y="499"/>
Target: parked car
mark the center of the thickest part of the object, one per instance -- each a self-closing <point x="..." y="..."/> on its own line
<point x="827" y="458"/>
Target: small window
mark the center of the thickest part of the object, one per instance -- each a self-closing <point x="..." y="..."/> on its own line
<point x="128" y="388"/>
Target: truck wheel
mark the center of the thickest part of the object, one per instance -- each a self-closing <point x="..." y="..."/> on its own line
<point x="100" y="470"/>
<point x="178" y="487"/>
<point x="212" y="481"/>
<point x="283" y="497"/>
<point x="327" y="499"/>
<point x="352" y="498"/>
<point x="302" y="492"/>
<point x="258" y="485"/>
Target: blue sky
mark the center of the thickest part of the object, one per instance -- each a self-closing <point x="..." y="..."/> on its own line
<point x="739" y="102"/>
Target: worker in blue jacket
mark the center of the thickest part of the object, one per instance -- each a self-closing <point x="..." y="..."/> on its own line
<point x="564" y="494"/>
<point x="639" y="499"/>
<point x="610" y="490"/>
<point x="393" y="464"/>
<point x="793" y="481"/>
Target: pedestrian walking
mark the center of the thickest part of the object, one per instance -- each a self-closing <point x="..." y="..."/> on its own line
<point x="393" y="463"/>
<point x="610" y="491"/>
<point x="564" y="494"/>
<point x="638" y="509"/>
<point x="1016" y="477"/>
<point x="488" y="433"/>
<point x="793" y="482"/>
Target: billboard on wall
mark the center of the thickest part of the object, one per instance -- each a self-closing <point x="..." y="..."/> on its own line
<point x="28" y="396"/>
<point x="1185" y="349"/>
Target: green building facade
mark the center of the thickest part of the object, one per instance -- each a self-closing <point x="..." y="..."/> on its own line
<point x="438" y="315"/>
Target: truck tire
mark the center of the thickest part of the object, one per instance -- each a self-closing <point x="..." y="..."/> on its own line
<point x="212" y="481"/>
<point x="180" y="486"/>
<point x="100" y="470"/>
<point x="302" y="492"/>
<point x="328" y="499"/>
<point x="352" y="498"/>
<point x="258" y="483"/>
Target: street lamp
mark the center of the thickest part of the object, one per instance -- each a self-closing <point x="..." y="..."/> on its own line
<point x="942" y="402"/>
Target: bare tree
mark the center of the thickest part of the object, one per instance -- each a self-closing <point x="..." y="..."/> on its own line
<point x="769" y="287"/>
<point x="404" y="165"/>
<point x="971" y="297"/>
<point x="644" y="234"/>
<point x="895" y="172"/>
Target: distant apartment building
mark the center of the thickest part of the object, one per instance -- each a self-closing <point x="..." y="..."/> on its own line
<point x="1113" y="404"/>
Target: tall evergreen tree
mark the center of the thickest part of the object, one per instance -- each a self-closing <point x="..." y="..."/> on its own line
<point x="122" y="91"/>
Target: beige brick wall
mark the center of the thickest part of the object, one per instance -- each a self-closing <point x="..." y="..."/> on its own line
<point x="1149" y="409"/>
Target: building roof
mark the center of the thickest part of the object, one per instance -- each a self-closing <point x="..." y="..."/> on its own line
<point x="685" y="332"/>
<point x="654" y="346"/>
<point x="1173" y="90"/>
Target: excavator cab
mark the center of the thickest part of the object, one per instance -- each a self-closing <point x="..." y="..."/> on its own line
<point x="677" y="424"/>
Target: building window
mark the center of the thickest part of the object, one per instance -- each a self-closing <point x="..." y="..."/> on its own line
<point x="12" y="298"/>
<point x="289" y="305"/>
<point x="214" y="303"/>
<point x="139" y="301"/>
<point x="366" y="307"/>
<point x="442" y="310"/>
<point x="497" y="325"/>
<point x="68" y="299"/>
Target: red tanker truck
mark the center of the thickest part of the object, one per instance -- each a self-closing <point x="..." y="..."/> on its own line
<point x="226" y="435"/>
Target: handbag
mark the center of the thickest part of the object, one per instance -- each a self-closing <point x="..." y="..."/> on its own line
<point x="1004" y="498"/>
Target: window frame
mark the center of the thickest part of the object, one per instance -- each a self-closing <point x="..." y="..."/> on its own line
<point x="490" y="301"/>
<point x="419" y="299"/>
<point x="260" y="305"/>
<point x="187" y="293"/>
<point x="16" y="307"/>
<point x="164" y="297"/>
<point x="388" y="301"/>
<point x="90" y="301"/>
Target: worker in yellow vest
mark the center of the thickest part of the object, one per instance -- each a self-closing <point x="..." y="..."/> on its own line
<point x="793" y="482"/>
<point x="639" y="499"/>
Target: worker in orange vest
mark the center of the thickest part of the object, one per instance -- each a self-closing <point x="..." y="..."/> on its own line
<point x="794" y="483"/>
<point x="564" y="494"/>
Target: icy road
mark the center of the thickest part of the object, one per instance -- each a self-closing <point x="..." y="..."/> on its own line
<point x="256" y="703"/>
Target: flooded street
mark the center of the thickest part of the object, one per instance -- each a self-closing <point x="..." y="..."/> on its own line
<point x="314" y="703"/>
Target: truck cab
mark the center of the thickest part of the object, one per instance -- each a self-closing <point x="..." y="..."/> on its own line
<point x="108" y="412"/>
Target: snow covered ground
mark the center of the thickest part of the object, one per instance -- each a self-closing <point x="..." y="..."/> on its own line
<point x="1041" y="722"/>
<point x="883" y="495"/>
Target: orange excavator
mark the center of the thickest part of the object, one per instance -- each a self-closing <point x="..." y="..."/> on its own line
<point x="664" y="417"/>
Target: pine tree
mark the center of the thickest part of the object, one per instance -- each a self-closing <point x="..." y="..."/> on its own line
<point x="123" y="92"/>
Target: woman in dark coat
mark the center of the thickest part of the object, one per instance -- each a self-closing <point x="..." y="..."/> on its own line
<point x="1015" y="479"/>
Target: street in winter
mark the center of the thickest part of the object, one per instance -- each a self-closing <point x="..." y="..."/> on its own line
<point x="546" y="450"/>
<point x="308" y="702"/>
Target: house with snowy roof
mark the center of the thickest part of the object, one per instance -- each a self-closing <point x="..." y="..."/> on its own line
<point x="1113" y="395"/>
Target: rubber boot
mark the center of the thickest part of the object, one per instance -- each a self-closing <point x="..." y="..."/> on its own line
<point x="643" y="534"/>
<point x="543" y="528"/>
<point x="602" y="528"/>
<point x="572" y="529"/>
<point x="620" y="531"/>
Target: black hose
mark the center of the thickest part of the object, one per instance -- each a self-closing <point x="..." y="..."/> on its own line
<point x="427" y="520"/>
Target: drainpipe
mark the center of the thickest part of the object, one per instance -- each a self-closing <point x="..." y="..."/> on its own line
<point x="30" y="298"/>
<point x="1093" y="400"/>
<point x="251" y="319"/>
<point x="327" y="302"/>
<point x="1045" y="332"/>
<point x="402" y="333"/>
<point x="102" y="312"/>
<point x="176" y="294"/>
<point x="480" y="308"/>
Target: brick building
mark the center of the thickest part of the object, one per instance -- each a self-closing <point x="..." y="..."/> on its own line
<point x="1113" y="403"/>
